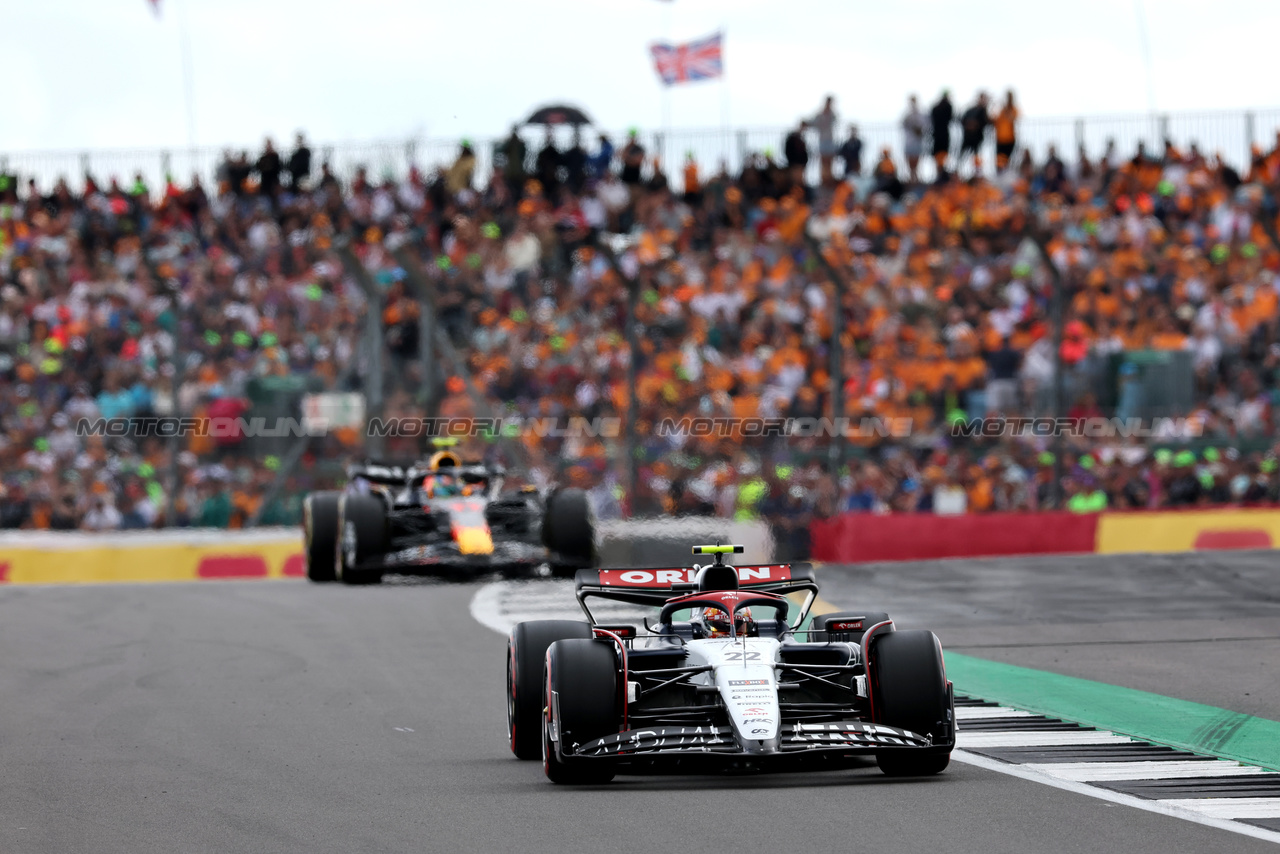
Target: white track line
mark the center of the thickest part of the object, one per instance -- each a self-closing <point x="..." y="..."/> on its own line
<point x="1172" y="808"/>
<point x="1024" y="738"/>
<point x="1113" y="771"/>
<point x="982" y="713"/>
<point x="1230" y="807"/>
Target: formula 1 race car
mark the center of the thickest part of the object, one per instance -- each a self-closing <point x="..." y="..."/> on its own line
<point x="732" y="686"/>
<point x="442" y="516"/>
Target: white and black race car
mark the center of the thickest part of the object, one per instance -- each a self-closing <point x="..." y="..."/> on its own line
<point x="723" y="680"/>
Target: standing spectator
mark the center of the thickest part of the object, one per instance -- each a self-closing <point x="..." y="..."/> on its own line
<point x="462" y="171"/>
<point x="940" y="117"/>
<point x="575" y="164"/>
<point x="973" y="125"/>
<point x="796" y="150"/>
<point x="633" y="155"/>
<point x="269" y="168"/>
<point x="825" y="123"/>
<point x="299" y="164"/>
<point x="548" y="166"/>
<point x="851" y="153"/>
<point x="238" y="170"/>
<point x="913" y="128"/>
<point x="1006" y="132"/>
<point x="602" y="160"/>
<point x="513" y="153"/>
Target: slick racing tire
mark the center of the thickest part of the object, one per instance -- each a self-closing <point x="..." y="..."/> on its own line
<point x="569" y="531"/>
<point x="909" y="691"/>
<point x="362" y="536"/>
<point x="867" y="618"/>
<point x="526" y="652"/>
<point x="584" y="675"/>
<point x="320" y="528"/>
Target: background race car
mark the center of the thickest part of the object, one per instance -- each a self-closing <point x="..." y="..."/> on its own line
<point x="443" y="516"/>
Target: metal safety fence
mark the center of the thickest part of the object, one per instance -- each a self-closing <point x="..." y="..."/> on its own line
<point x="1229" y="135"/>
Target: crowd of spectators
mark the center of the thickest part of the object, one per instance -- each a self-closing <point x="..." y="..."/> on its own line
<point x="944" y="314"/>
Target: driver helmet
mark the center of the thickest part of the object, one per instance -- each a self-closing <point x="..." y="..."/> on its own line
<point x="716" y="623"/>
<point x="441" y="486"/>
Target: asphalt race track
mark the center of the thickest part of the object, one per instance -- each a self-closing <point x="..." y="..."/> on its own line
<point x="285" y="717"/>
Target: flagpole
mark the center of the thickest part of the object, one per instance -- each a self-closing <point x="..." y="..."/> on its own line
<point x="666" y="94"/>
<point x="188" y="76"/>
<point x="724" y="99"/>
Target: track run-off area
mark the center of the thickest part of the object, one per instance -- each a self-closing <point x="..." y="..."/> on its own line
<point x="1115" y="704"/>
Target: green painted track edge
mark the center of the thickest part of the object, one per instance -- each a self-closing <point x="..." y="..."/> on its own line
<point x="1140" y="714"/>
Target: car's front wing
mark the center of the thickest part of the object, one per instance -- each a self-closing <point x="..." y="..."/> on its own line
<point x="666" y="746"/>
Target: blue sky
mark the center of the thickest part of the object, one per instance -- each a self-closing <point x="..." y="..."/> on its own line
<point x="108" y="73"/>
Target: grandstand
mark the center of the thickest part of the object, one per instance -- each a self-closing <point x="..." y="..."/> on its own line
<point x="424" y="280"/>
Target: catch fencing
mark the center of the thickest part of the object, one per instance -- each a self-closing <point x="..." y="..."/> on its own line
<point x="1229" y="135"/>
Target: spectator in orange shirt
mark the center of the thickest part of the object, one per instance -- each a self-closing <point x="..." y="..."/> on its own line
<point x="1006" y="132"/>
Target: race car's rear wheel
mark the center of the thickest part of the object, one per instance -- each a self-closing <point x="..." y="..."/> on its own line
<point x="854" y="622"/>
<point x="526" y="652"/>
<point x="320" y="528"/>
<point x="362" y="536"/>
<point x="584" y="676"/>
<point x="568" y="531"/>
<point x="909" y="691"/>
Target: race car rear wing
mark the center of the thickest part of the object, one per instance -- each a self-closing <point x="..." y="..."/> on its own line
<point x="654" y="586"/>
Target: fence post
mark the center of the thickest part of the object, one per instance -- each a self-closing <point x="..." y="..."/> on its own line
<point x="1079" y="135"/>
<point x="166" y="166"/>
<point x="1164" y="132"/>
<point x="1248" y="138"/>
<point x="742" y="150"/>
<point x="410" y="155"/>
<point x="374" y="336"/>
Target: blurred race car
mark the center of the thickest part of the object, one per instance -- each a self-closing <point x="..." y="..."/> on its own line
<point x="722" y="681"/>
<point x="442" y="516"/>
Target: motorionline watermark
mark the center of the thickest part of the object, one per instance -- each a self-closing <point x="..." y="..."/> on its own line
<point x="215" y="428"/>
<point x="515" y="426"/>
<point x="793" y="428"/>
<point x="1018" y="427"/>
<point x="257" y="426"/>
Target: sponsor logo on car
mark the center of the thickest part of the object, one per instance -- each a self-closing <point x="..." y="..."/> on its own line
<point x="733" y="682"/>
<point x="686" y="575"/>
<point x="845" y="625"/>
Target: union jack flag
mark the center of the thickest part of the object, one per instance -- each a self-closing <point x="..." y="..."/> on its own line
<point x="685" y="63"/>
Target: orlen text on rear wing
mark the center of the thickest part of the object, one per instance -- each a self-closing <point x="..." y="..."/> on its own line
<point x="653" y="586"/>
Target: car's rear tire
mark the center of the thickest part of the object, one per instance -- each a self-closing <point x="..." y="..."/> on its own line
<point x="867" y="618"/>
<point x="584" y="673"/>
<point x="320" y="530"/>
<point x="909" y="690"/>
<point x="362" y="536"/>
<point x="569" y="532"/>
<point x="526" y="653"/>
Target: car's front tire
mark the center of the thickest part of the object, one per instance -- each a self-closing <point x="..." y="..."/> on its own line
<point x="526" y="653"/>
<point x="362" y="536"/>
<point x="584" y="675"/>
<point x="909" y="690"/>
<point x="320" y="532"/>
